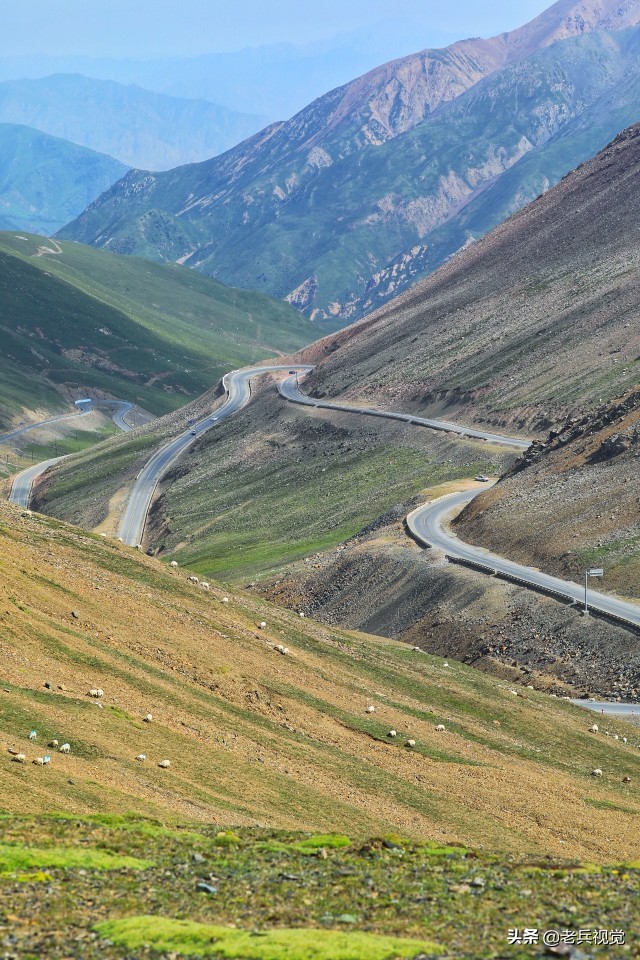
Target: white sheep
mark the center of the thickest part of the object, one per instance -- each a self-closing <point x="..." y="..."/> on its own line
<point x="194" y="580"/>
<point x="262" y="625"/>
<point x="141" y="757"/>
<point x="173" y="564"/>
<point x="33" y="735"/>
<point x="205" y="585"/>
<point x="148" y="718"/>
<point x="594" y="728"/>
<point x="283" y="650"/>
<point x="440" y="728"/>
<point x="53" y="743"/>
<point x="410" y="743"/>
<point x="225" y="599"/>
<point x="392" y="733"/>
<point x="96" y="693"/>
<point x="624" y="739"/>
<point x="370" y="709"/>
<point x="19" y="758"/>
<point x="301" y="614"/>
<point x="39" y="761"/>
<point x="165" y="764"/>
<point x="65" y="748"/>
<point x="597" y="772"/>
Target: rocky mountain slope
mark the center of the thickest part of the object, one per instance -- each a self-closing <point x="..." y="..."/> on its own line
<point x="141" y="128"/>
<point x="253" y="735"/>
<point x="537" y="321"/>
<point x="379" y="181"/>
<point x="45" y="181"/>
<point x="572" y="502"/>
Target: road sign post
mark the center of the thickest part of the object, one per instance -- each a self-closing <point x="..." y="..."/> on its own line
<point x="593" y="572"/>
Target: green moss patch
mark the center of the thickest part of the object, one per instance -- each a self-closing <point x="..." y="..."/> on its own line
<point x="14" y="858"/>
<point x="205" y="940"/>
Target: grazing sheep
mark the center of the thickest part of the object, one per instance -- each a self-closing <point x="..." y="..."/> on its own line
<point x="148" y="718"/>
<point x="194" y="580"/>
<point x="370" y="709"/>
<point x="301" y="614"/>
<point x="53" y="743"/>
<point x="173" y="564"/>
<point x="626" y="779"/>
<point x="65" y="748"/>
<point x="392" y="733"/>
<point x="165" y="764"/>
<point x="33" y="735"/>
<point x="97" y="693"/>
<point x="597" y="772"/>
<point x="262" y="625"/>
<point x="440" y="728"/>
<point x="205" y="585"/>
<point x="594" y="728"/>
<point x="225" y="599"/>
<point x="141" y="757"/>
<point x="624" y="739"/>
<point x="19" y="758"/>
<point x="283" y="650"/>
<point x="39" y="761"/>
<point x="410" y="743"/>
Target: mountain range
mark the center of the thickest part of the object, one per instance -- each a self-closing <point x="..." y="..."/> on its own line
<point x="345" y="205"/>
<point x="536" y="322"/>
<point x="139" y="127"/>
<point x="45" y="181"/>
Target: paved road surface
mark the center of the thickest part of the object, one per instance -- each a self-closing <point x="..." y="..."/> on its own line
<point x="5" y="437"/>
<point x="426" y="524"/>
<point x="290" y="390"/>
<point x="609" y="708"/>
<point x="23" y="482"/>
<point x="135" y="517"/>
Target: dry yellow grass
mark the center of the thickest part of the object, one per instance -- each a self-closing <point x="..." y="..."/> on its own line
<point x="254" y="736"/>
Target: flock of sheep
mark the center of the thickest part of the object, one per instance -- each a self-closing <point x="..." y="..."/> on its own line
<point x="96" y="693"/>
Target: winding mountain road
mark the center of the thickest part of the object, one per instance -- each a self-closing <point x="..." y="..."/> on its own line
<point x="427" y="522"/>
<point x="237" y="385"/>
<point x="23" y="482"/>
<point x="289" y="389"/>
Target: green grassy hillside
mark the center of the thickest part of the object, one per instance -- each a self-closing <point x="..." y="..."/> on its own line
<point x="75" y="318"/>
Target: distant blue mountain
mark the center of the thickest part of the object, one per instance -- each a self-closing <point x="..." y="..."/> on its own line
<point x="141" y="128"/>
<point x="44" y="180"/>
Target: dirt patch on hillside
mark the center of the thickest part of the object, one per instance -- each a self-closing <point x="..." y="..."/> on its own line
<point x="383" y="583"/>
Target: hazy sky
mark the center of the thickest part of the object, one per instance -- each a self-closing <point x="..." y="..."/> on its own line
<point x="159" y="28"/>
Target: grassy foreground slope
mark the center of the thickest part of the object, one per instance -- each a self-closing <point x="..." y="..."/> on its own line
<point x="267" y="895"/>
<point x="74" y="318"/>
<point x="285" y="741"/>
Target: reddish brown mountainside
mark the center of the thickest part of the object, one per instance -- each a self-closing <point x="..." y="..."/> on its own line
<point x="539" y="320"/>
